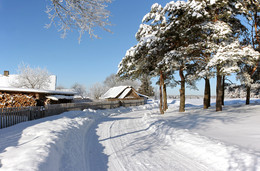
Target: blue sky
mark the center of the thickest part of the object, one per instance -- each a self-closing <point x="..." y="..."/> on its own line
<point x="23" y="38"/>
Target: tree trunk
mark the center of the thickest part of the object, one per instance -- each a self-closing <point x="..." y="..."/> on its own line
<point x="219" y="91"/>
<point x="223" y="90"/>
<point x="248" y="89"/>
<point x="182" y="91"/>
<point x="206" y="101"/>
<point x="161" y="99"/>
<point x="165" y="106"/>
<point x="209" y="100"/>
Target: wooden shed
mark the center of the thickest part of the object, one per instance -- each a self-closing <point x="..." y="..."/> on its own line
<point x="121" y="93"/>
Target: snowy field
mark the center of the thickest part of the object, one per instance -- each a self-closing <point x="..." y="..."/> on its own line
<point x="137" y="138"/>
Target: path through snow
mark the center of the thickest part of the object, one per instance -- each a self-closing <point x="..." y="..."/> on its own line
<point x="143" y="140"/>
<point x="132" y="145"/>
<point x="136" y="138"/>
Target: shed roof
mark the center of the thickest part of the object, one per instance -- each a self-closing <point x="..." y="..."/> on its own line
<point x="125" y="93"/>
<point x="119" y="92"/>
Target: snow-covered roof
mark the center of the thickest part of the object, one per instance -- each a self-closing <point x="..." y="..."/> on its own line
<point x="58" y="97"/>
<point x="7" y="81"/>
<point x="125" y="92"/>
<point x="119" y="92"/>
<point x="36" y="90"/>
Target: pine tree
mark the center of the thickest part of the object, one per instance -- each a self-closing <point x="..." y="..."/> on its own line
<point x="223" y="30"/>
<point x="146" y="87"/>
<point x="194" y="38"/>
<point x="248" y="70"/>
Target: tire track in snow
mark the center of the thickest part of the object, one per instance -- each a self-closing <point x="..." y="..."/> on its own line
<point x="115" y="162"/>
<point x="131" y="145"/>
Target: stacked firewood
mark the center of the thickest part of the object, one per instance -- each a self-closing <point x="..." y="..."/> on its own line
<point x="16" y="100"/>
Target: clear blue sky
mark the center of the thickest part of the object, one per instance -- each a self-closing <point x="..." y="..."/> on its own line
<point x="23" y="38"/>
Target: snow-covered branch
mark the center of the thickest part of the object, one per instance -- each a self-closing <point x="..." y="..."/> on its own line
<point x="83" y="15"/>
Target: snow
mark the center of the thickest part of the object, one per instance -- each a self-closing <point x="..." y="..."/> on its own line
<point x="124" y="94"/>
<point x="57" y="97"/>
<point x="138" y="138"/>
<point x="212" y="2"/>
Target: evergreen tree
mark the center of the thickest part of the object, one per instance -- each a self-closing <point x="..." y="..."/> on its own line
<point x="224" y="30"/>
<point x="146" y="87"/>
<point x="248" y="73"/>
<point x="193" y="38"/>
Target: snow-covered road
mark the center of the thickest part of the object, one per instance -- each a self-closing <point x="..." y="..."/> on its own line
<point x="137" y="138"/>
<point x="132" y="145"/>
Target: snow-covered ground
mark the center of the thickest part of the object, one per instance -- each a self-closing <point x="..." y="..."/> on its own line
<point x="138" y="138"/>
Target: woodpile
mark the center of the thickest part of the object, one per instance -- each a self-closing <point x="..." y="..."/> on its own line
<point x="16" y="100"/>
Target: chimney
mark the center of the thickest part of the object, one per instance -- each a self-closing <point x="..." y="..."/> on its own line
<point x="6" y="73"/>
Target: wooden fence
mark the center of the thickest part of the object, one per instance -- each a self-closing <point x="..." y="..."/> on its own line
<point x="12" y="116"/>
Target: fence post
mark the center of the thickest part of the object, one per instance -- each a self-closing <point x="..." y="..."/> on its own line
<point x="2" y="119"/>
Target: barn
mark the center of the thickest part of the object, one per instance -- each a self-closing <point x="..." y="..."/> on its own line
<point x="122" y="93"/>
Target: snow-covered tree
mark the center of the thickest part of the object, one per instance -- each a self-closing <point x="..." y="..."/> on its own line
<point x="35" y="78"/>
<point x="249" y="71"/>
<point x="224" y="43"/>
<point x="141" y="58"/>
<point x="83" y="15"/>
<point x="80" y="89"/>
<point x="160" y="49"/>
<point x="97" y="90"/>
<point x="192" y="37"/>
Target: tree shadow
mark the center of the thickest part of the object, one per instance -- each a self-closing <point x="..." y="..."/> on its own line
<point x="96" y="159"/>
<point x="197" y="118"/>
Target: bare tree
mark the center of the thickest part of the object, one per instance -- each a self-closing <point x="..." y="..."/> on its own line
<point x="83" y="15"/>
<point x="97" y="90"/>
<point x="35" y="78"/>
<point x="80" y="89"/>
<point x="113" y="80"/>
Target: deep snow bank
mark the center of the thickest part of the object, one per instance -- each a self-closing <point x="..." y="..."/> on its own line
<point x="43" y="141"/>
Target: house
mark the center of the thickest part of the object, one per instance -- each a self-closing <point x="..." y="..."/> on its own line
<point x="7" y="80"/>
<point x="121" y="93"/>
<point x="21" y="97"/>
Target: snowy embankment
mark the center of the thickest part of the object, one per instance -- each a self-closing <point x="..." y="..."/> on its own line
<point x="39" y="144"/>
<point x="201" y="135"/>
<point x="137" y="138"/>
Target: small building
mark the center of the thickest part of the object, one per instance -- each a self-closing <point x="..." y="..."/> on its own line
<point x="20" y="97"/>
<point x="121" y="93"/>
